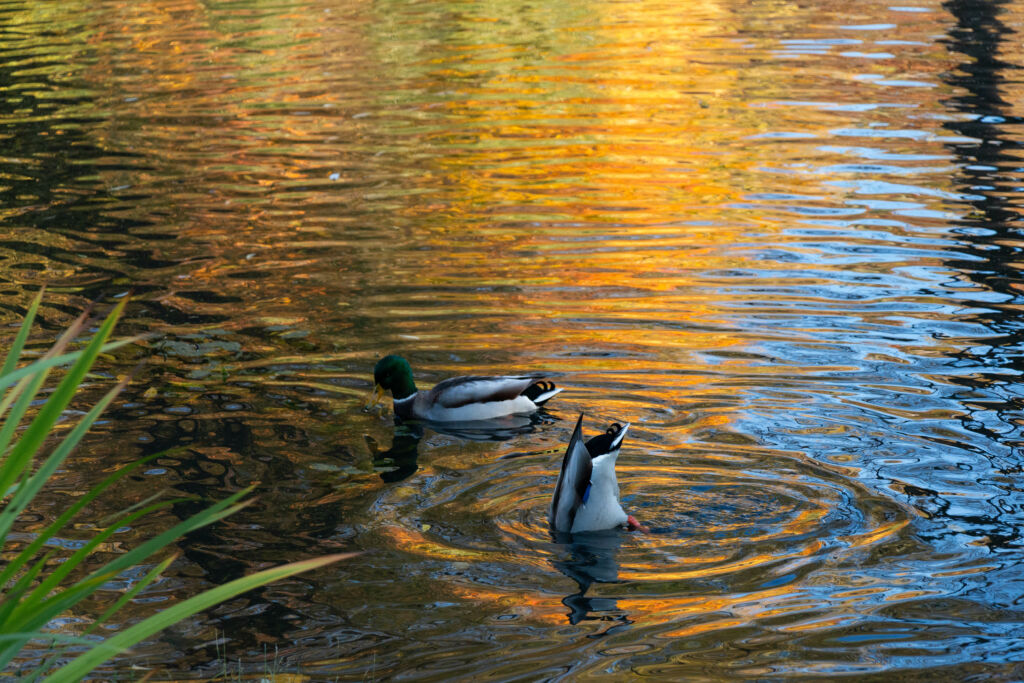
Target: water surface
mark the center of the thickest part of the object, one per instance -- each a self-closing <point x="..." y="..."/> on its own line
<point x="782" y="240"/>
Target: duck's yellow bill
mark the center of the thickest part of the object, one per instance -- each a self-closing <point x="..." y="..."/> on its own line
<point x="375" y="398"/>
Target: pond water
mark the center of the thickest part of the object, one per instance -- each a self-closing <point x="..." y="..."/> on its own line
<point x="781" y="239"/>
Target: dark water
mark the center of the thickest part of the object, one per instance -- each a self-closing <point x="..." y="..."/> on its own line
<point x="782" y="240"/>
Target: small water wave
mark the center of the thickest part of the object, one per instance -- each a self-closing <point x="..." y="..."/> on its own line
<point x="730" y="529"/>
<point x="780" y="241"/>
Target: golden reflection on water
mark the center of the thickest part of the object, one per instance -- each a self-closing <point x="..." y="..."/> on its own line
<point x="624" y="193"/>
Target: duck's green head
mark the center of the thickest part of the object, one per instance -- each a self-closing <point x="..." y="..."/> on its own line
<point x="393" y="374"/>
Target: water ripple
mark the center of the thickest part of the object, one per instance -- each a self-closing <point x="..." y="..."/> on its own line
<point x="780" y="241"/>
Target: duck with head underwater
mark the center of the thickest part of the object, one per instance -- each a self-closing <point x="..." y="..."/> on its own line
<point x="459" y="399"/>
<point x="587" y="493"/>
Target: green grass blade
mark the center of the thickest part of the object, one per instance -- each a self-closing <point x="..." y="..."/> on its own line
<point x="31" y="590"/>
<point x="61" y="359"/>
<point x="57" y="637"/>
<point x="83" y="664"/>
<point x="13" y="595"/>
<point x="32" y="614"/>
<point x="9" y="397"/>
<point x="54" y="639"/>
<point x="65" y="600"/>
<point x="215" y="512"/>
<point x="61" y="640"/>
<point x="26" y="555"/>
<point x="11" y="361"/>
<point x="28" y="491"/>
<point x="33" y="370"/>
<point x="11" y="601"/>
<point x="35" y="610"/>
<point x="37" y="599"/>
<point x="39" y="429"/>
<point x="106" y="519"/>
<point x="139" y="586"/>
<point x="25" y="393"/>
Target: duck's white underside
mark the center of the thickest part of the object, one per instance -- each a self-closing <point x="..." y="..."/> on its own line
<point x="481" y="411"/>
<point x="602" y="509"/>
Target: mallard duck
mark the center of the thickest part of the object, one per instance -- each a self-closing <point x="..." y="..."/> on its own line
<point x="587" y="493"/>
<point x="459" y="399"/>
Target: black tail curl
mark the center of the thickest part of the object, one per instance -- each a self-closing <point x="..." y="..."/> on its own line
<point x="538" y="389"/>
<point x="602" y="443"/>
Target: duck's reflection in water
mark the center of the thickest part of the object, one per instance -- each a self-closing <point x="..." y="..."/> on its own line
<point x="400" y="459"/>
<point x="496" y="429"/>
<point x="592" y="558"/>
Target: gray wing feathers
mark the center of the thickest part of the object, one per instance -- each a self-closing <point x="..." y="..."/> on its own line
<point x="460" y="391"/>
<point x="572" y="481"/>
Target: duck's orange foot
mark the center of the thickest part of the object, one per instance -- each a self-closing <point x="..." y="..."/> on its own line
<point x="634" y="525"/>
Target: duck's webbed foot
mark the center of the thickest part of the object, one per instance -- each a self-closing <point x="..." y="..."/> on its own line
<point x="633" y="525"/>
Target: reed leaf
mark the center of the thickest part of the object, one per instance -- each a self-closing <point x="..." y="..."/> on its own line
<point x="86" y="662"/>
<point x="39" y="429"/>
<point x="14" y="353"/>
<point x="36" y="601"/>
<point x="61" y="359"/>
<point x="12" y="596"/>
<point x="140" y="585"/>
<point x="215" y="512"/>
<point x="26" y="555"/>
<point x="32" y="486"/>
<point x="64" y="600"/>
<point x="34" y="589"/>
